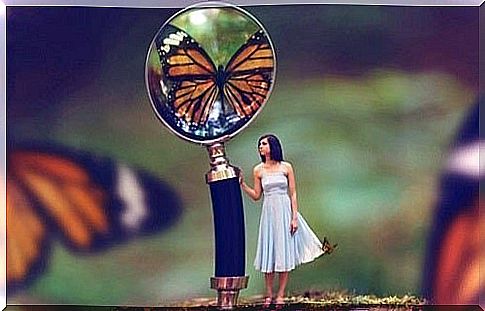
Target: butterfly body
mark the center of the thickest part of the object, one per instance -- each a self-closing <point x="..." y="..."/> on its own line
<point x="221" y="78"/>
<point x="198" y="91"/>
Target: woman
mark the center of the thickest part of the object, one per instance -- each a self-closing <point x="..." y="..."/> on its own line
<point x="285" y="240"/>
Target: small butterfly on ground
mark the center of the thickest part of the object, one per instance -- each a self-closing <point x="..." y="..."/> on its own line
<point x="195" y="84"/>
<point x="327" y="247"/>
<point x="88" y="202"/>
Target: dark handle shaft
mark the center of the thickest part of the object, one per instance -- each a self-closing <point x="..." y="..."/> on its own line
<point x="228" y="216"/>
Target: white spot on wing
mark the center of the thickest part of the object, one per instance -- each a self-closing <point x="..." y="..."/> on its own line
<point x="132" y="195"/>
<point x="174" y="39"/>
<point x="171" y="41"/>
<point x="164" y="88"/>
<point x="465" y="160"/>
<point x="165" y="48"/>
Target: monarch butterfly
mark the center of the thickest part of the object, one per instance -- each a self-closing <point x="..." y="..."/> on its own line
<point x="452" y="267"/>
<point x="194" y="84"/>
<point x="88" y="202"/>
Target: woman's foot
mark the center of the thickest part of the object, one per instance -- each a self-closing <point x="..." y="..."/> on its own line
<point x="279" y="300"/>
<point x="327" y="247"/>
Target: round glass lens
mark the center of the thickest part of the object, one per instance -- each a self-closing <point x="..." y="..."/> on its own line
<point x="209" y="72"/>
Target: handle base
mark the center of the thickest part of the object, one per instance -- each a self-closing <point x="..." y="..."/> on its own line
<point x="228" y="290"/>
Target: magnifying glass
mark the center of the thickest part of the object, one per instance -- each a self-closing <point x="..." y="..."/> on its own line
<point x="209" y="72"/>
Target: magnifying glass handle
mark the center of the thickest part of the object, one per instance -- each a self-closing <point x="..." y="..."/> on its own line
<point x="230" y="246"/>
<point x="228" y="216"/>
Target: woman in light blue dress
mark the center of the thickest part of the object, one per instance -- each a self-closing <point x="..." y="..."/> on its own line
<point x="285" y="240"/>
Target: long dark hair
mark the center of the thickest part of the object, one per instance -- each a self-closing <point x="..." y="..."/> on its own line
<point x="275" y="150"/>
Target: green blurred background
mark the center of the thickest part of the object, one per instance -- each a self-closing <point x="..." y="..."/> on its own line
<point x="366" y="102"/>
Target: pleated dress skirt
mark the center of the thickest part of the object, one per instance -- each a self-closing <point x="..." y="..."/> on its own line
<point x="277" y="249"/>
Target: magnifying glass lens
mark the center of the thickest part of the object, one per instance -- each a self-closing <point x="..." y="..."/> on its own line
<point x="209" y="72"/>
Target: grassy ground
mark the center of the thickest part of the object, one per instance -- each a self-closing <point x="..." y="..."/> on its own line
<point x="315" y="301"/>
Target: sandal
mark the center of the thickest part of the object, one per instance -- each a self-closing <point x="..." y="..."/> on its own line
<point x="327" y="247"/>
<point x="280" y="301"/>
<point x="267" y="301"/>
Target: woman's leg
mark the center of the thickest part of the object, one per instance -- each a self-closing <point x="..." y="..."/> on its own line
<point x="268" y="280"/>
<point x="281" y="290"/>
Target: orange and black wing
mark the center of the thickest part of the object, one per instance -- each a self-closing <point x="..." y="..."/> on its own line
<point x="458" y="259"/>
<point x="455" y="249"/>
<point x="250" y="74"/>
<point x="27" y="243"/>
<point x="191" y="76"/>
<point x="89" y="203"/>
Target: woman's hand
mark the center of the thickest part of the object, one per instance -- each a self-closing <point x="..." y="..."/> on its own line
<point x="255" y="193"/>
<point x="293" y="226"/>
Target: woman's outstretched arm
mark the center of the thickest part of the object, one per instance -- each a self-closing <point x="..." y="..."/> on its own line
<point x="255" y="193"/>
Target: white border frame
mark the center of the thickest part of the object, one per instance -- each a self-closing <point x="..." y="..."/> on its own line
<point x="139" y="4"/>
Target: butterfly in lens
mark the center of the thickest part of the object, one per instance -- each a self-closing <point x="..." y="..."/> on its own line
<point x="194" y="84"/>
<point x="454" y="254"/>
<point x="88" y="202"/>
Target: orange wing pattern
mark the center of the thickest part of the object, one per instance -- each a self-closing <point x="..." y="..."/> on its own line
<point x="459" y="260"/>
<point x="455" y="248"/>
<point x="27" y="227"/>
<point x="246" y="93"/>
<point x="84" y="200"/>
<point x="250" y="75"/>
<point x="193" y="100"/>
<point x="190" y="69"/>
<point x="70" y="196"/>
<point x="196" y="84"/>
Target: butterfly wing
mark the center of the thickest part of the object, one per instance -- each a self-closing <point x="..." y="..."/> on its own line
<point x="90" y="203"/>
<point x="455" y="248"/>
<point x="191" y="75"/>
<point x="65" y="190"/>
<point x="458" y="260"/>
<point x="250" y="74"/>
<point x="26" y="234"/>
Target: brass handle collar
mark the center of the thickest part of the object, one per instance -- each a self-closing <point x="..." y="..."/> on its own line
<point x="220" y="167"/>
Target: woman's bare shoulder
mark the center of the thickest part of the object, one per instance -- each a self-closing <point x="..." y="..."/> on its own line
<point x="286" y="164"/>
<point x="287" y="167"/>
<point x="258" y="168"/>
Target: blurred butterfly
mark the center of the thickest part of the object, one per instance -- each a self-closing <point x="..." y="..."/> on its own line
<point x="455" y="248"/>
<point x="195" y="84"/>
<point x="88" y="202"/>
